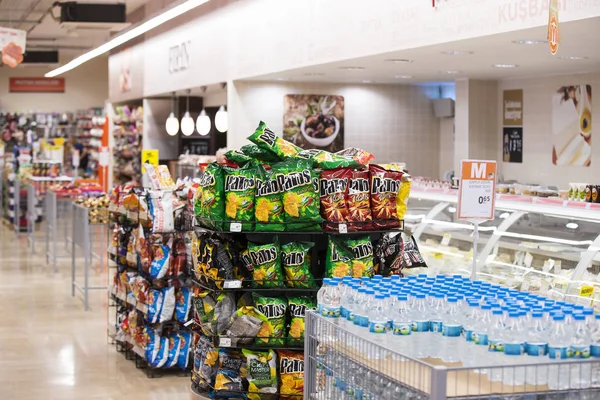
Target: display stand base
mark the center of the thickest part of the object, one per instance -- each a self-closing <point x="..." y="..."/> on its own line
<point x="197" y="396"/>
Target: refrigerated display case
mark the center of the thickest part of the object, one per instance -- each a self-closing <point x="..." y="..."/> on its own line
<point x="544" y="245"/>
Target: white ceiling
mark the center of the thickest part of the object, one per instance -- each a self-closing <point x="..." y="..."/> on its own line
<point x="429" y="64"/>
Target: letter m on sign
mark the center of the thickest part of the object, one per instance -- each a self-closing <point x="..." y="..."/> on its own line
<point x="478" y="170"/>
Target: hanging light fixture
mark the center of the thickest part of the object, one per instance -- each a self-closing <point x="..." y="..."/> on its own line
<point x="172" y="124"/>
<point x="187" y="122"/>
<point x="221" y="122"/>
<point x="203" y="123"/>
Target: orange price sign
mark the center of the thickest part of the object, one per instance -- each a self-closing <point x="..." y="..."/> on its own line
<point x="553" y="28"/>
<point x="477" y="189"/>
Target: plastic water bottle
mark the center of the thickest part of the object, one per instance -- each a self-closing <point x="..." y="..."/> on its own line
<point x="481" y="330"/>
<point x="401" y="330"/>
<point x="558" y="348"/>
<point x="580" y="349"/>
<point x="537" y="349"/>
<point x="437" y="312"/>
<point x="451" y="329"/>
<point x="365" y="299"/>
<point x="328" y="299"/>
<point x="595" y="350"/>
<point x="420" y="327"/>
<point x="496" y="345"/>
<point x="347" y="303"/>
<point x="514" y="346"/>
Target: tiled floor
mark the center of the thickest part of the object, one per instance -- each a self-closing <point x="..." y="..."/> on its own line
<point x="50" y="348"/>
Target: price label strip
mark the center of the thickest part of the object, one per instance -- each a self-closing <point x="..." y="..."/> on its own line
<point x="476" y="200"/>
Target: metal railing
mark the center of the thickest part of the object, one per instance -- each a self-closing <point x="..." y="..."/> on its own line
<point x="58" y="222"/>
<point x="344" y="363"/>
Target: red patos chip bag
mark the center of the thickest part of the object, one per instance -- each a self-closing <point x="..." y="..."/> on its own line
<point x="384" y="189"/>
<point x="333" y="190"/>
<point x="359" y="202"/>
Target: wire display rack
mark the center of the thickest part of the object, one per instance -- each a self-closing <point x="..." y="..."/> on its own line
<point x="58" y="216"/>
<point x="344" y="364"/>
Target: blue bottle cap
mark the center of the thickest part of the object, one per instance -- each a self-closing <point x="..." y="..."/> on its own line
<point x="487" y="307"/>
<point x="497" y="312"/>
<point x="578" y="307"/>
<point x="579" y="317"/>
<point x="402" y="297"/>
<point x="567" y="310"/>
<point x="537" y="314"/>
<point x="452" y="299"/>
<point x="370" y="291"/>
<point x="421" y="295"/>
<point x="597" y="316"/>
<point x="380" y="296"/>
<point x="588" y="311"/>
<point x="395" y="277"/>
<point x="559" y="317"/>
<point x="473" y="304"/>
<point x="514" y="314"/>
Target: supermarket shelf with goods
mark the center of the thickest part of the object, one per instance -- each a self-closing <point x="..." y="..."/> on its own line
<point x="127" y="131"/>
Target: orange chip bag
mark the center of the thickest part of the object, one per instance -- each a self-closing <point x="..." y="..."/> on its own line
<point x="291" y="372"/>
<point x="359" y="202"/>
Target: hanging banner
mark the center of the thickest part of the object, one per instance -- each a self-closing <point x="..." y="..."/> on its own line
<point x="477" y="189"/>
<point x="553" y="27"/>
<point x="36" y="85"/>
<point x="12" y="43"/>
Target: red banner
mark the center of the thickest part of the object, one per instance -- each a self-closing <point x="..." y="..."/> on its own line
<point x="36" y="85"/>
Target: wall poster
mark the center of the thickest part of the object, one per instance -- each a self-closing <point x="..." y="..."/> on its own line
<point x="513" y="144"/>
<point x="314" y="121"/>
<point x="512" y="121"/>
<point x="572" y="126"/>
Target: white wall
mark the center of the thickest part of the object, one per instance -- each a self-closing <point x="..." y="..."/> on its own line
<point x="446" y="145"/>
<point x="85" y="86"/>
<point x="394" y="122"/>
<point x="537" y="164"/>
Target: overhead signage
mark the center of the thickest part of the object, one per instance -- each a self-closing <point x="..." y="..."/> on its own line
<point x="512" y="106"/>
<point x="179" y="57"/>
<point x="36" y="85"/>
<point x="553" y="28"/>
<point x="476" y="198"/>
<point x="12" y="44"/>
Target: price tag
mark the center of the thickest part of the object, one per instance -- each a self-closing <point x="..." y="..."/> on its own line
<point x="224" y="342"/>
<point x="232" y="284"/>
<point x="190" y="322"/>
<point x="343" y="228"/>
<point x="235" y="227"/>
<point x="103" y="157"/>
<point x="437" y="255"/>
<point x="586" y="291"/>
<point x="476" y="198"/>
<point x="446" y="239"/>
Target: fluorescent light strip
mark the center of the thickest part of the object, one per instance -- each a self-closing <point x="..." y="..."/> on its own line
<point x="127" y="36"/>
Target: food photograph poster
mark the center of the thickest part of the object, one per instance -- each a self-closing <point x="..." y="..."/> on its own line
<point x="572" y="126"/>
<point x="314" y="121"/>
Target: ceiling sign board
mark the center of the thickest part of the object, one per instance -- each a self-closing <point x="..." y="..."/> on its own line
<point x="36" y="85"/>
<point x="12" y="44"/>
<point x="553" y="27"/>
<point x="477" y="190"/>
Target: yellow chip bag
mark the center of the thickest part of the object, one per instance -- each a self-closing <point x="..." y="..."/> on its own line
<point x="291" y="371"/>
<point x="403" y="195"/>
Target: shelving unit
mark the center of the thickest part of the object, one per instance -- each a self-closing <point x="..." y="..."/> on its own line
<point x="128" y="132"/>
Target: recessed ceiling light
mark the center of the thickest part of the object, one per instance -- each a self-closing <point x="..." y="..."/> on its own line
<point x="281" y="79"/>
<point x="530" y="41"/>
<point x="367" y="81"/>
<point x="450" y="72"/>
<point x="402" y="76"/>
<point x="457" y="53"/>
<point x="314" y="74"/>
<point x="352" y="68"/>
<point x="505" y="65"/>
<point x="572" y="225"/>
<point x="399" y="60"/>
<point x="573" y="58"/>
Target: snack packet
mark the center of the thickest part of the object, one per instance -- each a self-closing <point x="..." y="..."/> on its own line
<point x="338" y="259"/>
<point x="291" y="372"/>
<point x="394" y="254"/>
<point x="144" y="251"/>
<point x="223" y="311"/>
<point x="174" y="347"/>
<point x="160" y="263"/>
<point x="295" y="260"/>
<point x="384" y="188"/>
<point x="140" y="288"/>
<point x="206" y="358"/>
<point x="264" y="137"/>
<point x="178" y="258"/>
<point x="161" y="211"/>
<point x="268" y="211"/>
<point x="238" y="157"/>
<point x="261" y="374"/>
<point x="213" y="200"/>
<point x="131" y="254"/>
<point x="185" y="338"/>
<point x="325" y="160"/>
<point x="257" y="153"/>
<point x="266" y="260"/>
<point x="362" y="262"/>
<point x="361" y="156"/>
<point x="298" y="307"/>
<point x="204" y="309"/>
<point x="164" y="177"/>
<point x="183" y="300"/>
<point x="272" y="331"/>
<point x="245" y="325"/>
<point x="157" y="351"/>
<point x="359" y="202"/>
<point x="154" y="303"/>
<point x="299" y="184"/>
<point x="333" y="190"/>
<point x="168" y="307"/>
<point x="240" y="190"/>
<point x="228" y="382"/>
<point x="403" y="195"/>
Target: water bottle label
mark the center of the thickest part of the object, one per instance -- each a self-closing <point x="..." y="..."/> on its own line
<point x="536" y="350"/>
<point x="480" y="339"/>
<point x="367" y="396"/>
<point x="451" y="330"/>
<point x="402" y="329"/>
<point x="558" y="353"/>
<point x="467" y="334"/>
<point x="420" y="326"/>
<point x="339" y="383"/>
<point x="350" y="316"/>
<point x="513" y="349"/>
<point x="378" y="326"/>
<point x="595" y="350"/>
<point x="495" y="345"/>
<point x="579" y="352"/>
<point x="364" y="321"/>
<point x="436" y="326"/>
<point x="344" y="312"/>
<point x="319" y="309"/>
<point x="330" y="312"/>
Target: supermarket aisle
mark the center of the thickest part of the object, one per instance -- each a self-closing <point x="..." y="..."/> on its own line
<point x="51" y="349"/>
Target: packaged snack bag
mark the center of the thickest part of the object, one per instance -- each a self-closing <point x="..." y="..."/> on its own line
<point x="261" y="374"/>
<point x="299" y="185"/>
<point x="359" y="202"/>
<point x="154" y="303"/>
<point x="224" y="310"/>
<point x="265" y="138"/>
<point x="325" y="160"/>
<point x="160" y="263"/>
<point x="266" y="260"/>
<point x="245" y="324"/>
<point x="228" y="382"/>
<point x="168" y="307"/>
<point x="295" y="259"/>
<point x="257" y="153"/>
<point x="272" y="331"/>
<point x="183" y="300"/>
<point x="362" y="261"/>
<point x="238" y="157"/>
<point x="403" y="195"/>
<point x="268" y="212"/>
<point x="333" y="190"/>
<point x="240" y="190"/>
<point x="338" y="259"/>
<point x="394" y="254"/>
<point x="361" y="156"/>
<point x="291" y="372"/>
<point x="204" y="310"/>
<point x="206" y="363"/>
<point x="161" y="211"/>
<point x="157" y="351"/>
<point x="298" y="307"/>
<point x="213" y="200"/>
<point x="198" y="198"/>
<point x="174" y="347"/>
<point x="164" y="176"/>
<point x="384" y="188"/>
<point x="185" y="338"/>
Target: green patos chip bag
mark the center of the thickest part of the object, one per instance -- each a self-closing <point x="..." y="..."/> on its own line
<point x="295" y="260"/>
<point x="325" y="160"/>
<point x="299" y="185"/>
<point x="272" y="331"/>
<point x="261" y="374"/>
<point x="259" y="154"/>
<point x="266" y="260"/>
<point x="339" y="258"/>
<point x="240" y="190"/>
<point x="268" y="210"/>
<point x="362" y="261"/>
<point x="264" y="137"/>
<point x="238" y="157"/>
<point x="298" y="307"/>
<point x="213" y="202"/>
